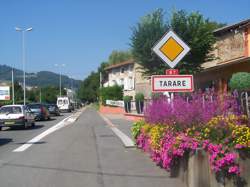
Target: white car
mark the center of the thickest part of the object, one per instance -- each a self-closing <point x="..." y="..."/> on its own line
<point x="16" y="115"/>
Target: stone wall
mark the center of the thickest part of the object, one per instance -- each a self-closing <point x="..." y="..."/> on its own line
<point x="142" y="83"/>
<point x="229" y="46"/>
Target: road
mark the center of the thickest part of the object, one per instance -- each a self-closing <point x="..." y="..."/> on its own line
<point x="84" y="153"/>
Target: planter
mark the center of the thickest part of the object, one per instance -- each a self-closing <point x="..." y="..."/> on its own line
<point x="127" y="107"/>
<point x="139" y="106"/>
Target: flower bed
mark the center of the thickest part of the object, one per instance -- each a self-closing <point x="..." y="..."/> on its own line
<point x="174" y="129"/>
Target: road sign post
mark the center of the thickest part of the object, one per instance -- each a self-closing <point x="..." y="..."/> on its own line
<point x="171" y="49"/>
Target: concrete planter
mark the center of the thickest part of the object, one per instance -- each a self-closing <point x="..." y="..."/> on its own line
<point x="195" y="171"/>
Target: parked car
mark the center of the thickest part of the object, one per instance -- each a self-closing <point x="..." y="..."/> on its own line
<point x="16" y="115"/>
<point x="53" y="109"/>
<point x="40" y="110"/>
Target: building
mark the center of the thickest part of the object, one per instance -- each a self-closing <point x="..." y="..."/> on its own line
<point x="128" y="75"/>
<point x="232" y="54"/>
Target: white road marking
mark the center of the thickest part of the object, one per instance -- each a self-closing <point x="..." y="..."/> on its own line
<point x="52" y="129"/>
<point x="127" y="142"/>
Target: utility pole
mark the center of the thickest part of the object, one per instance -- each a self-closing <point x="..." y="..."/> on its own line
<point x="40" y="95"/>
<point x="13" y="87"/>
<point x="60" y="76"/>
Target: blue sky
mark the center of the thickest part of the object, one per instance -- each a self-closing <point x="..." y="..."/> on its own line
<point x="82" y="33"/>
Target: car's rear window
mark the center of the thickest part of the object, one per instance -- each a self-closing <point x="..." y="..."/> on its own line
<point x="34" y="106"/>
<point x="10" y="110"/>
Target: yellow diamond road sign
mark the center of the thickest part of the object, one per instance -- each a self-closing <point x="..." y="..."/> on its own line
<point x="171" y="49"/>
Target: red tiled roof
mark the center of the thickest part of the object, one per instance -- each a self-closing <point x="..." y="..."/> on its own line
<point x="120" y="64"/>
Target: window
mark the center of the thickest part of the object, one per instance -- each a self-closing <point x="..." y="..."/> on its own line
<point x="130" y="83"/>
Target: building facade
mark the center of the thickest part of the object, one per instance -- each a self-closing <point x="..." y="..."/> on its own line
<point x="232" y="55"/>
<point x="128" y="75"/>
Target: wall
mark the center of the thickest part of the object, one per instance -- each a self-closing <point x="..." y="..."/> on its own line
<point x="229" y="46"/>
<point x="142" y="83"/>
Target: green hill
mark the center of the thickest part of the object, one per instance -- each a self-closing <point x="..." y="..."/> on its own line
<point x="41" y="78"/>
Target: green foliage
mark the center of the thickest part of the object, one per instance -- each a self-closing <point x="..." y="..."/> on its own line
<point x="127" y="98"/>
<point x="119" y="56"/>
<point x="240" y="81"/>
<point x="111" y="93"/>
<point x="50" y="93"/>
<point x="193" y="28"/>
<point x="136" y="128"/>
<point x="139" y="97"/>
<point x="156" y="95"/>
<point x="89" y="88"/>
<point x="144" y="35"/>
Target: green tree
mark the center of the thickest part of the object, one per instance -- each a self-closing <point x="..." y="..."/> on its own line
<point x="119" y="56"/>
<point x="193" y="28"/>
<point x="144" y="35"/>
<point x="50" y="94"/>
<point x="89" y="88"/>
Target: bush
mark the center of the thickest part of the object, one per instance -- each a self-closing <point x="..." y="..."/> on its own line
<point x="240" y="81"/>
<point x="111" y="93"/>
<point x="139" y="97"/>
<point x="127" y="98"/>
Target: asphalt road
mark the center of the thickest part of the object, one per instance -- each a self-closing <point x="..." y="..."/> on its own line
<point x="83" y="154"/>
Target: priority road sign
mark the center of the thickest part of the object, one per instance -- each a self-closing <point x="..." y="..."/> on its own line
<point x="172" y="83"/>
<point x="171" y="49"/>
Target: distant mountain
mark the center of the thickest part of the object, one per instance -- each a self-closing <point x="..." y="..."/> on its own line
<point x="41" y="78"/>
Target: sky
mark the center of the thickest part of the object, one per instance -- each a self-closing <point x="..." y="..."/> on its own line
<point x="82" y="33"/>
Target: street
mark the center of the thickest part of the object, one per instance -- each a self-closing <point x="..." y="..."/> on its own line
<point x="84" y="153"/>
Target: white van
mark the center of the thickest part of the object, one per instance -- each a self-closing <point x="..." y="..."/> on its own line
<point x="64" y="104"/>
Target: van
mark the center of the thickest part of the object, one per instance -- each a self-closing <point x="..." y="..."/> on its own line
<point x="64" y="104"/>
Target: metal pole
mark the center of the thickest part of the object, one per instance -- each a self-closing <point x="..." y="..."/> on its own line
<point x="13" y="88"/>
<point x="60" y="82"/>
<point x="23" y="54"/>
<point x="40" y="95"/>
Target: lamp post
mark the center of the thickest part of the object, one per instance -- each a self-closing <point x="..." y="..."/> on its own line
<point x="60" y="77"/>
<point x="23" y="59"/>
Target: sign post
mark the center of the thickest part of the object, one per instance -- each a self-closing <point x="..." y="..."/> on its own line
<point x="171" y="49"/>
<point x="4" y="93"/>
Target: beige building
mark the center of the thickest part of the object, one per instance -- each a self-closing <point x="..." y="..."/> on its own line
<point x="232" y="54"/>
<point x="128" y="75"/>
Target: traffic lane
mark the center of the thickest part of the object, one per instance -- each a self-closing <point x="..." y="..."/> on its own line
<point x="10" y="139"/>
<point x="85" y="153"/>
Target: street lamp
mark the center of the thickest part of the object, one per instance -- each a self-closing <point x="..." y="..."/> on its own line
<point x="60" y="77"/>
<point x="23" y="59"/>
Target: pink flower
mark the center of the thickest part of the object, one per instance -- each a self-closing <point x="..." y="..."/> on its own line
<point x="234" y="170"/>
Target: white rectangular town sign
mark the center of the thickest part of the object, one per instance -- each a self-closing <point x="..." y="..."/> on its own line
<point x="172" y="83"/>
<point x="4" y="93"/>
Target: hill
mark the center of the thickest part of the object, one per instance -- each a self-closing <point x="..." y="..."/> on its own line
<point x="41" y="78"/>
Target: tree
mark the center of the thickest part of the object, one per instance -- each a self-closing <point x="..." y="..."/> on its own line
<point x="119" y="56"/>
<point x="192" y="28"/>
<point x="144" y="35"/>
<point x="89" y="88"/>
<point x="50" y="94"/>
